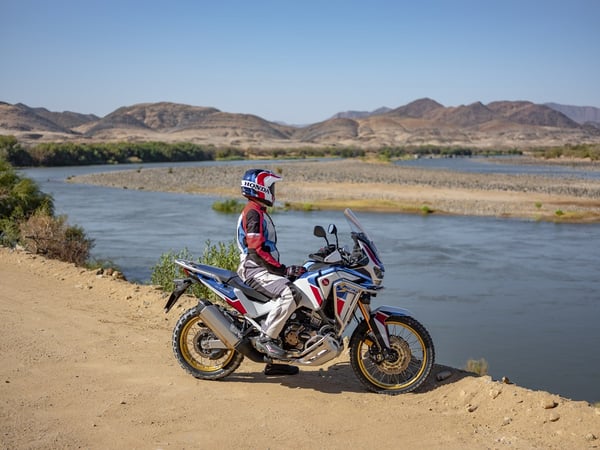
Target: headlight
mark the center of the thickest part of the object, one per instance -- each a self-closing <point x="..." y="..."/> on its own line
<point x="378" y="272"/>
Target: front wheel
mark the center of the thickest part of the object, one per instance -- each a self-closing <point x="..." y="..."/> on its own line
<point x="403" y="369"/>
<point x="191" y="338"/>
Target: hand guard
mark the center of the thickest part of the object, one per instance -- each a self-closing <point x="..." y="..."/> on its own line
<point x="294" y="271"/>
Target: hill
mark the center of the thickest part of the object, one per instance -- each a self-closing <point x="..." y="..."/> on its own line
<point x="21" y="117"/>
<point x="580" y="114"/>
<point x="501" y="124"/>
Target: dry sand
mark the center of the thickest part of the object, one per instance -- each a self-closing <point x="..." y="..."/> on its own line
<point x="87" y="363"/>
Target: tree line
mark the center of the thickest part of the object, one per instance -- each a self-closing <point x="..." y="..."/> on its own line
<point x="86" y="153"/>
<point x="78" y="153"/>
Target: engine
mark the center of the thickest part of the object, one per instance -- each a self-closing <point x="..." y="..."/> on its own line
<point x="302" y="327"/>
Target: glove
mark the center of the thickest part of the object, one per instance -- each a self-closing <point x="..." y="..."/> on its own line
<point x="294" y="271"/>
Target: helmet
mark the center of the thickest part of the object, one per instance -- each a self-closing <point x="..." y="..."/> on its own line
<point x="259" y="184"/>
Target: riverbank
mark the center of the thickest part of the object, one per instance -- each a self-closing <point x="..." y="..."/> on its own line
<point x="87" y="363"/>
<point x="383" y="187"/>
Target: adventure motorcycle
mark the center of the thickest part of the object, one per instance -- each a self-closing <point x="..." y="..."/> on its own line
<point x="390" y="351"/>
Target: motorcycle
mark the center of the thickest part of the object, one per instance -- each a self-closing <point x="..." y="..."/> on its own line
<point x="390" y="351"/>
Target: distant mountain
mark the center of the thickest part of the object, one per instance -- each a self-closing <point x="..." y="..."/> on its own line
<point x="332" y="129"/>
<point x="23" y="118"/>
<point x="157" y="116"/>
<point x="580" y="114"/>
<point x="359" y="114"/>
<point x="527" y="113"/>
<point x="427" y="122"/>
<point x="20" y="117"/>
<point x="157" y="120"/>
<point x="462" y="116"/>
<point x="416" y="109"/>
<point x="65" y="119"/>
<point x="422" y="122"/>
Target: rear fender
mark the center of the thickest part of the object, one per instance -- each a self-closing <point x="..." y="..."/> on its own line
<point x="181" y="285"/>
<point x="379" y="318"/>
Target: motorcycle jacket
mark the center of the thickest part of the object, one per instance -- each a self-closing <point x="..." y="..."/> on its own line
<point x="256" y="238"/>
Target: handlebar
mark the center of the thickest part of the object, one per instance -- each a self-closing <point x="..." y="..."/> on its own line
<point x="349" y="259"/>
<point x="323" y="253"/>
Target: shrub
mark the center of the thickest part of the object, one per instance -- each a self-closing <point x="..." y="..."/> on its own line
<point x="223" y="255"/>
<point x="51" y="236"/>
<point x="228" y="206"/>
<point x="165" y="270"/>
<point x="479" y="366"/>
<point x="11" y="151"/>
<point x="20" y="198"/>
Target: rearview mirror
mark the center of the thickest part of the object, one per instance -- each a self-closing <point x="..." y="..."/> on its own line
<point x="319" y="231"/>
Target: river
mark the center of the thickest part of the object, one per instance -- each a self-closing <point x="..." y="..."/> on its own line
<point x="521" y="294"/>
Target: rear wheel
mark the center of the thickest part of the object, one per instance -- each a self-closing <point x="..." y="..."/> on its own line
<point x="190" y="345"/>
<point x="403" y="369"/>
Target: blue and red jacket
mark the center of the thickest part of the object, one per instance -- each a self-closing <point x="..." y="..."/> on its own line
<point x="257" y="239"/>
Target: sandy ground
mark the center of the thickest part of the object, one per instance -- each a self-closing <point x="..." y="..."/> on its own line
<point x="87" y="363"/>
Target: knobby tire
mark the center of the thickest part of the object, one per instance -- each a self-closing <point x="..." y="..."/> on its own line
<point x="202" y="363"/>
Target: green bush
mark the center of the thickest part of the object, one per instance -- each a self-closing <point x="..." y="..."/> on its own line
<point x="73" y="153"/>
<point x="20" y="198"/>
<point x="591" y="151"/>
<point x="166" y="270"/>
<point x="228" y="206"/>
<point x="478" y="366"/>
<point x="223" y="255"/>
<point x="11" y="151"/>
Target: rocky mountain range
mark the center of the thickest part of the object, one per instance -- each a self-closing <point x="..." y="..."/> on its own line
<point x="500" y="124"/>
<point x="580" y="114"/>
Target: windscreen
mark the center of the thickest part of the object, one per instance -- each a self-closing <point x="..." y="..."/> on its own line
<point x="358" y="228"/>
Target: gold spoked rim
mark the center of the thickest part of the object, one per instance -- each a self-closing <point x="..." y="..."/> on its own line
<point x="406" y="369"/>
<point x="190" y="343"/>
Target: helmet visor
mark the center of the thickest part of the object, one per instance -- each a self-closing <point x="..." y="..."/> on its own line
<point x="272" y="190"/>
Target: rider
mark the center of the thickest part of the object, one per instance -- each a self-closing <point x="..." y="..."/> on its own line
<point x="259" y="263"/>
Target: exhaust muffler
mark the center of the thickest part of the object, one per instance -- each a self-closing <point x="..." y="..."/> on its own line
<point x="220" y="324"/>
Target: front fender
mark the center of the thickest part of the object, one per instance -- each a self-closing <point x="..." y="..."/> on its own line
<point x="391" y="311"/>
<point x="379" y="317"/>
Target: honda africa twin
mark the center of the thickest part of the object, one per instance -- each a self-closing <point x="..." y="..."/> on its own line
<point x="390" y="351"/>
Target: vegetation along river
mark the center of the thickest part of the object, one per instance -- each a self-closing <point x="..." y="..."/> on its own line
<point x="523" y="295"/>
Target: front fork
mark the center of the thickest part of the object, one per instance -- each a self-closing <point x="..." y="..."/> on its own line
<point x="376" y="322"/>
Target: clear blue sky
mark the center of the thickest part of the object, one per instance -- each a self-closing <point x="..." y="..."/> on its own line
<point x="297" y="61"/>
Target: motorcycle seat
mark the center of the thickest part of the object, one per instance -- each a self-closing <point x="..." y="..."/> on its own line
<point x="216" y="273"/>
<point x="225" y="276"/>
<point x="249" y="291"/>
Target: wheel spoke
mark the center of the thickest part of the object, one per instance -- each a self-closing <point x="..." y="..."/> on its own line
<point x="191" y="345"/>
<point x="405" y="368"/>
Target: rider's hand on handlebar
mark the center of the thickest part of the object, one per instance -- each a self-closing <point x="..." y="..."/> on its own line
<point x="324" y="251"/>
<point x="294" y="271"/>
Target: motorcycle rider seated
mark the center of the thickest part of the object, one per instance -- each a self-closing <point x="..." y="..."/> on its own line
<point x="259" y="263"/>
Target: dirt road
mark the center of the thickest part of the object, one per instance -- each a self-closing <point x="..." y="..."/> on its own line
<point x="87" y="363"/>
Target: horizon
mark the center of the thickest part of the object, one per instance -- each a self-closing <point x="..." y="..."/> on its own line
<point x="297" y="63"/>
